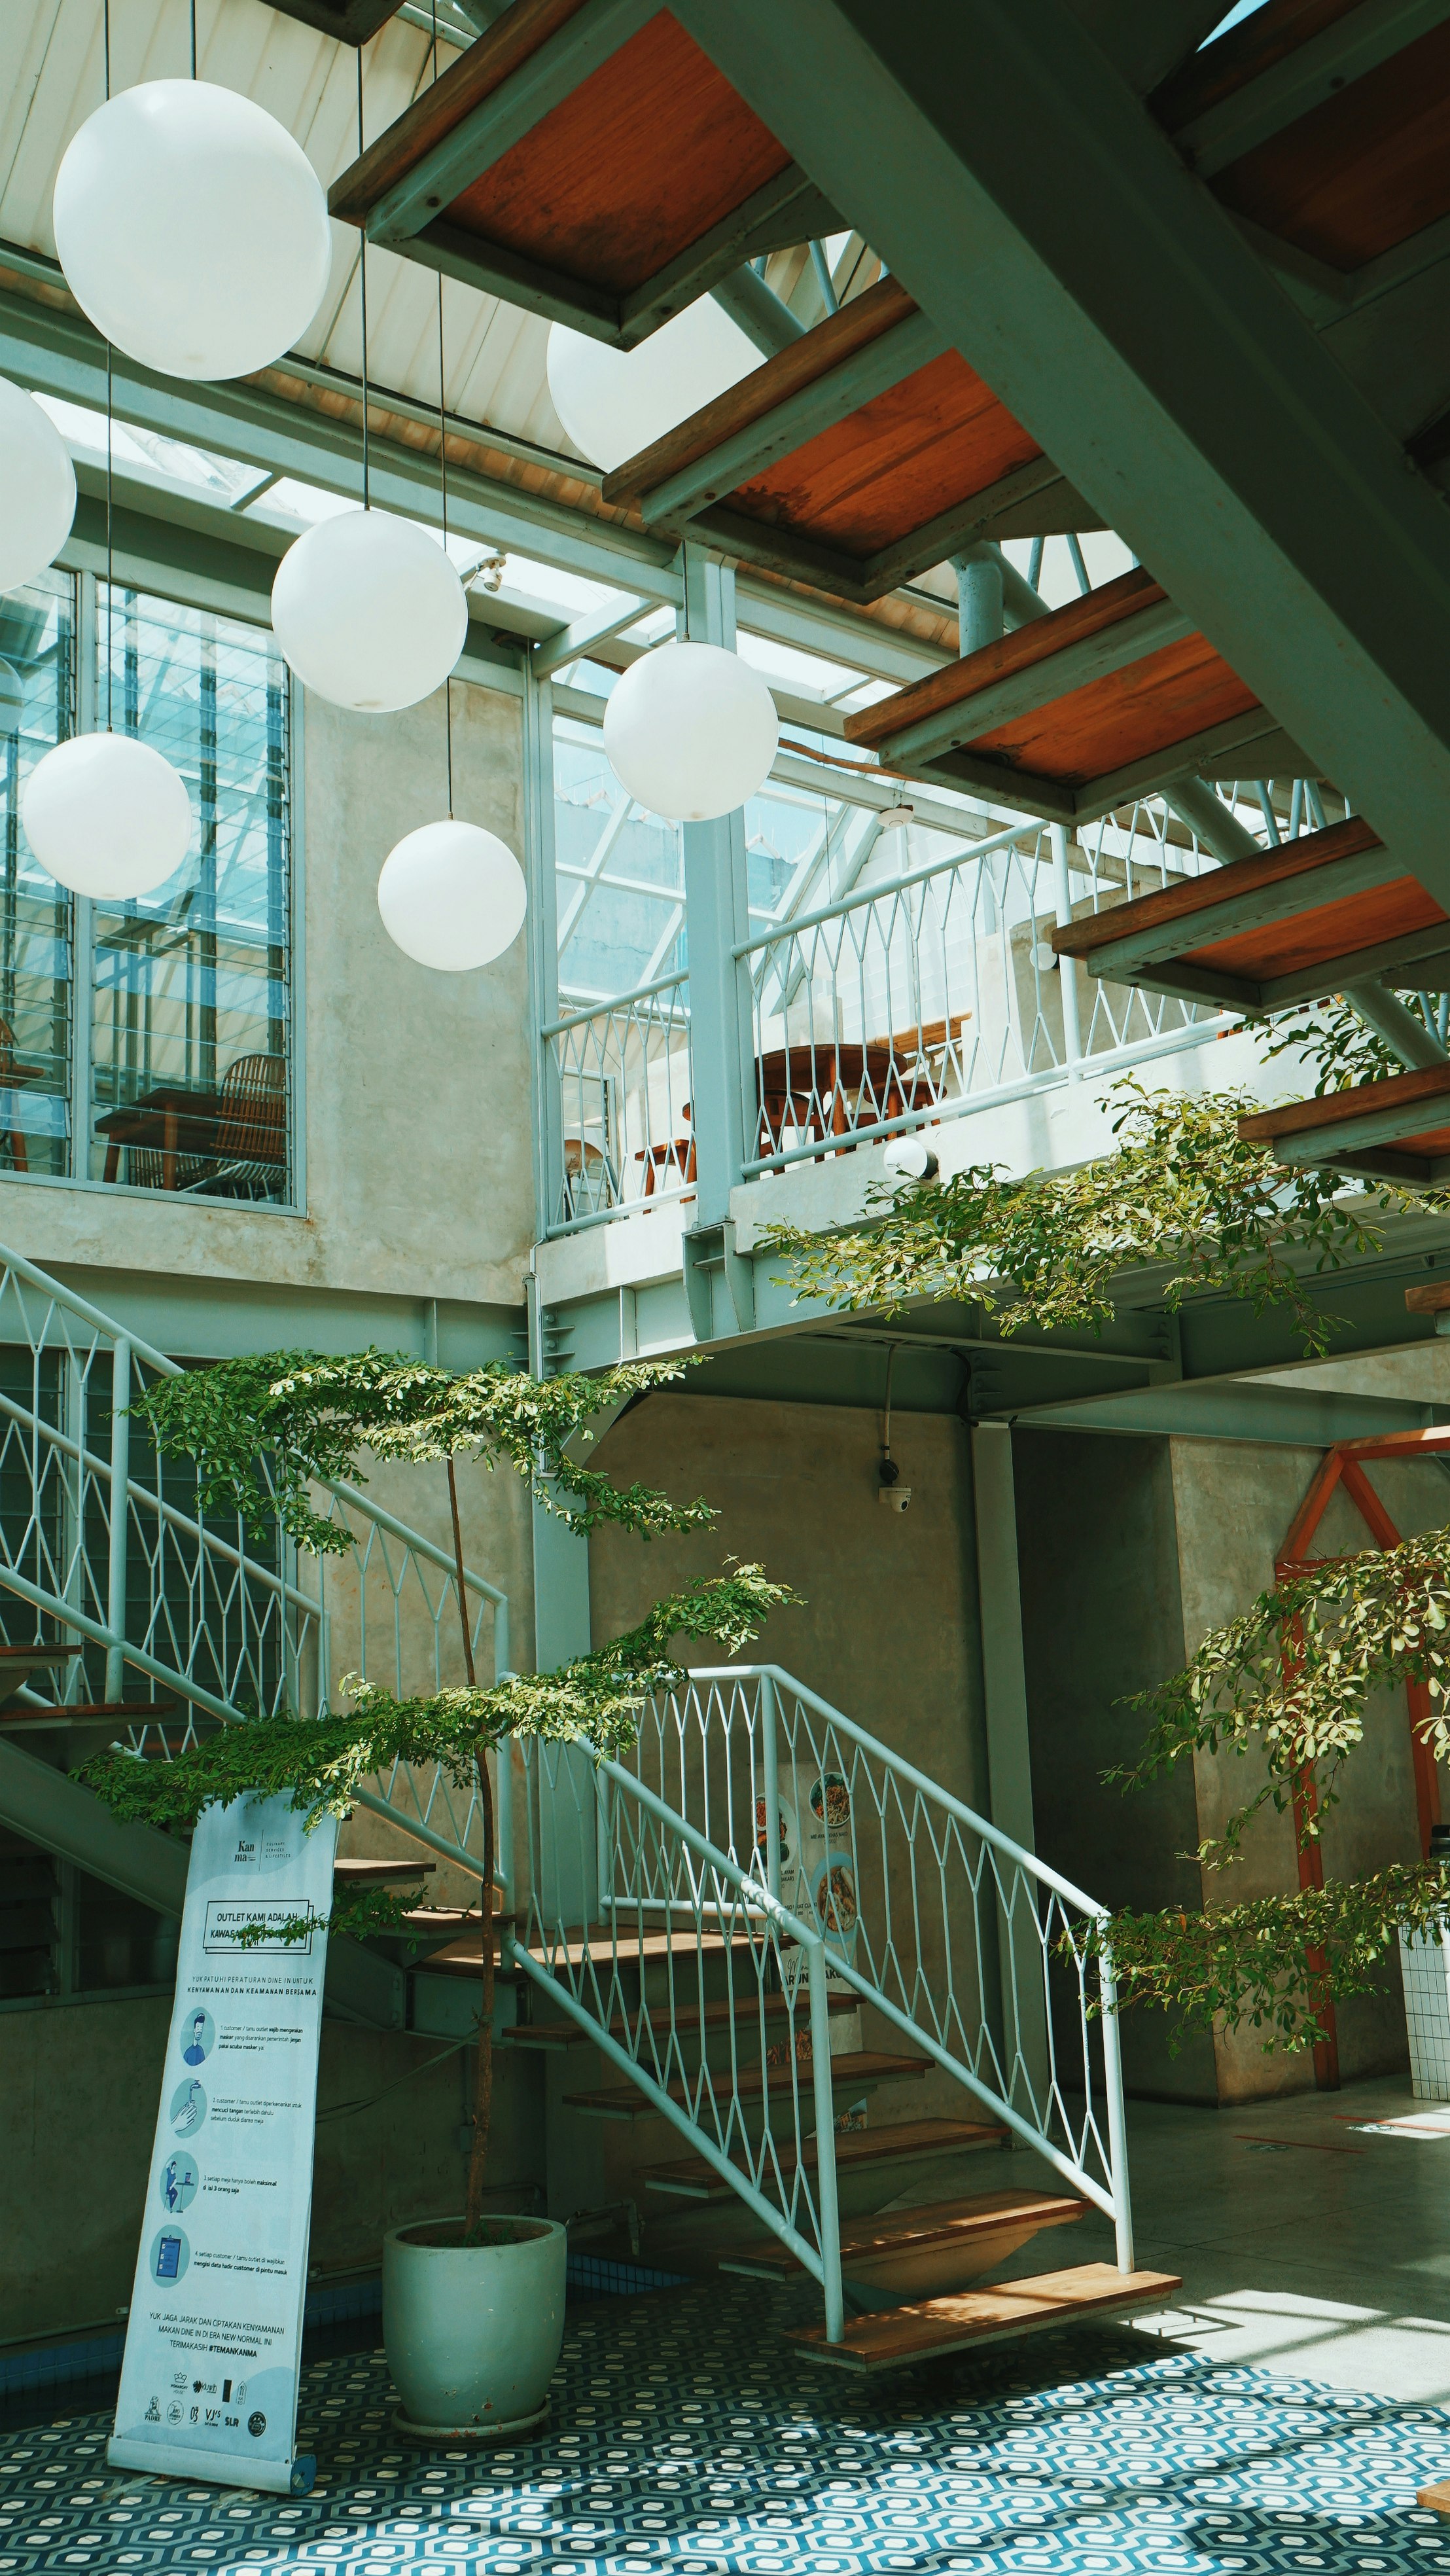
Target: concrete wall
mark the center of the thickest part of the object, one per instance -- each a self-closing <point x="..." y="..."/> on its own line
<point x="416" y="1083"/>
<point x="77" y="2113"/>
<point x="1130" y="1551"/>
<point x="1102" y="1617"/>
<point x="887" y="1629"/>
<point x="419" y="1185"/>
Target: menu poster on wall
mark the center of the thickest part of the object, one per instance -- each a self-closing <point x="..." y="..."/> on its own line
<point x="214" y="2343"/>
<point x="817" y="1871"/>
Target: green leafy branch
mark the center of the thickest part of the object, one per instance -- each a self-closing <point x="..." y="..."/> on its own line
<point x="320" y="1763"/>
<point x="1274" y="1963"/>
<point x="359" y="1913"/>
<point x="1181" y="1189"/>
<point x="308" y="1416"/>
<point x="1293" y="1676"/>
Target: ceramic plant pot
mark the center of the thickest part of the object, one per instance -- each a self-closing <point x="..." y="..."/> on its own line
<point x="473" y="2331"/>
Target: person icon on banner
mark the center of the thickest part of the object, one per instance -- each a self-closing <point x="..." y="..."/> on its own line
<point x="198" y="2045"/>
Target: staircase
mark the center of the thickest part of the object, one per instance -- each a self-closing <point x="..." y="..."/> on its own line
<point x="785" y="1990"/>
<point x="790" y="1936"/>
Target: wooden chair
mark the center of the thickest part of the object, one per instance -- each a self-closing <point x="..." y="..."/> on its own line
<point x="251" y="1139"/>
<point x="667" y="1164"/>
<point x="14" y="1136"/>
<point x="588" y="1181"/>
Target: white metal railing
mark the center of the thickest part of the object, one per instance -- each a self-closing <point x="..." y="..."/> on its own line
<point x="182" y="1618"/>
<point x="621" y="1086"/>
<point x="698" y="1985"/>
<point x="936" y="991"/>
<point x="965" y="1945"/>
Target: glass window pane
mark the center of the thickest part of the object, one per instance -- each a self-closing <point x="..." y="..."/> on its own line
<point x="37" y="668"/>
<point x="190" y="1043"/>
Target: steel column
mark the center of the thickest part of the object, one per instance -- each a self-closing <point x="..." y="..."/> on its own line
<point x="120" y="1516"/>
<point x="717" y="916"/>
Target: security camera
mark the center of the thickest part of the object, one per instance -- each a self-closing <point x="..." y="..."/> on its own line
<point x="910" y="1158"/>
<point x="890" y="1489"/>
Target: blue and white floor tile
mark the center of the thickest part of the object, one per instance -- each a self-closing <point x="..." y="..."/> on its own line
<point x="687" y="2438"/>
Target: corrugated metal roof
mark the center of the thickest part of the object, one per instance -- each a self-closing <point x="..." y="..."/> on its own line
<point x="53" y="76"/>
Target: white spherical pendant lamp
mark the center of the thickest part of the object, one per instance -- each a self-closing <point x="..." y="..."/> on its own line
<point x="614" y="402"/>
<point x="192" y="229"/>
<point x="691" y="731"/>
<point x="369" y="612"/>
<point x="107" y="816"/>
<point x="37" y="488"/>
<point x="452" y="896"/>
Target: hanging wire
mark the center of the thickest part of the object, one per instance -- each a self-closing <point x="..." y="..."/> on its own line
<point x="193" y="39"/>
<point x="110" y="427"/>
<point x="443" y="471"/>
<point x="443" y="486"/>
<point x="362" y="266"/>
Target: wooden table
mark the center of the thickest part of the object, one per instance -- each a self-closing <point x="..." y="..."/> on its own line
<point x="825" y="1078"/>
<point x="175" y="1121"/>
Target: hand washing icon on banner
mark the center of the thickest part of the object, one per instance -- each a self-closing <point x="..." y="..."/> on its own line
<point x="188" y="2108"/>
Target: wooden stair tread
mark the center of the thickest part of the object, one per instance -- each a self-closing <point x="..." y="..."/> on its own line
<point x="802" y="362"/>
<point x="958" y="682"/>
<point x="690" y="2178"/>
<point x="941" y="2222"/>
<point x="860" y="2066"/>
<point x="1298" y="1117"/>
<point x="568" y="2034"/>
<point x="890" y="2338"/>
<point x="381" y="1873"/>
<point x="97" y="1712"/>
<point x="37" y="1654"/>
<point x="630" y="1947"/>
<point x="1216" y="887"/>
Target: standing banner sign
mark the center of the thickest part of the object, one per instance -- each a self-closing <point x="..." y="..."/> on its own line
<point x="210" y="2375"/>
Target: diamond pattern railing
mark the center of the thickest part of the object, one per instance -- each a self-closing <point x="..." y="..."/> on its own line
<point x="179" y="1614"/>
<point x="967" y="1946"/>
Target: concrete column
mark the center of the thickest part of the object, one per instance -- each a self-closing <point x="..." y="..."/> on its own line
<point x="1003" y="1672"/>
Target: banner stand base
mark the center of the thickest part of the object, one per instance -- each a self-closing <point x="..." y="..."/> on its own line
<point x="215" y="2468"/>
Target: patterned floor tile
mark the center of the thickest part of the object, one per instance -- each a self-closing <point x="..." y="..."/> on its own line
<point x="687" y="2438"/>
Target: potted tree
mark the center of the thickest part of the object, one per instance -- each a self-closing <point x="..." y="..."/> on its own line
<point x="473" y="2306"/>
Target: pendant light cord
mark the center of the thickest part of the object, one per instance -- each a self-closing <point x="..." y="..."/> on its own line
<point x="362" y="267"/>
<point x="110" y="426"/>
<point x="193" y="39"/>
<point x="443" y="471"/>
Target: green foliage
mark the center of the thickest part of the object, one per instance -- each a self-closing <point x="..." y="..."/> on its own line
<point x="1180" y="1189"/>
<point x="309" y="1417"/>
<point x="1331" y="1032"/>
<point x="361" y="1913"/>
<point x="1293" y="1675"/>
<point x="320" y="1763"/>
<point x="1273" y="1963"/>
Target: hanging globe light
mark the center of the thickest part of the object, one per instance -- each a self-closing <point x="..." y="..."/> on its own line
<point x="615" y="402"/>
<point x="192" y="229"/>
<point x="691" y="731"/>
<point x="369" y="612"/>
<point x="38" y="484"/>
<point x="107" y="816"/>
<point x="452" y="896"/>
